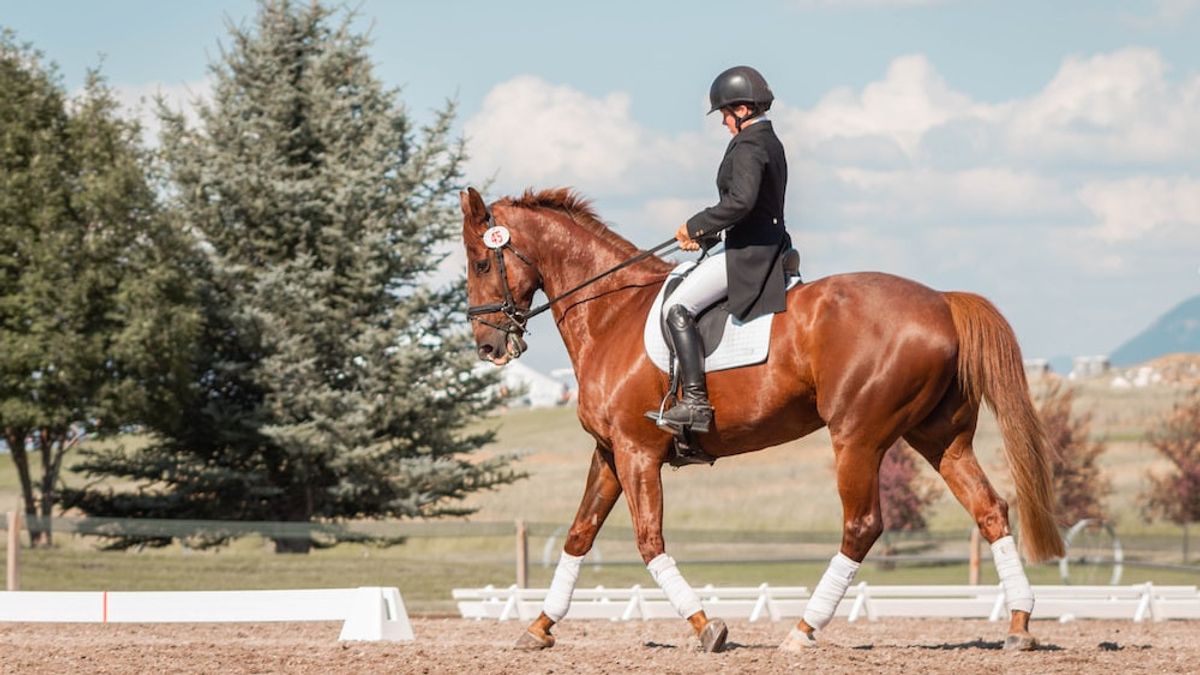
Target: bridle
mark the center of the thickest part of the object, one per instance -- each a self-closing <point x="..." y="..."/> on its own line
<point x="497" y="238"/>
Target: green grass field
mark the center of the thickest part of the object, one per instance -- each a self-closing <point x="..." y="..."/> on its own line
<point x="788" y="488"/>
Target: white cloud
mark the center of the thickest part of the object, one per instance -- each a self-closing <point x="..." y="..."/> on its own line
<point x="1113" y="108"/>
<point x="1166" y="14"/>
<point x="534" y="133"/>
<point x="137" y="100"/>
<point x="931" y="197"/>
<point x="1090" y="177"/>
<point x="910" y="100"/>
<point x="1145" y="208"/>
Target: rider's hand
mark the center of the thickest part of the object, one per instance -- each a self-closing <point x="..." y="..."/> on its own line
<point x="685" y="240"/>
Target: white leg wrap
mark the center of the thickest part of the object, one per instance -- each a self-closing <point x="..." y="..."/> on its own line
<point x="682" y="597"/>
<point x="830" y="591"/>
<point x="1018" y="594"/>
<point x="558" y="598"/>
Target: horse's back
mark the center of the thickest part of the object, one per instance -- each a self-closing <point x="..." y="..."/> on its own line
<point x="871" y="301"/>
<point x="871" y="336"/>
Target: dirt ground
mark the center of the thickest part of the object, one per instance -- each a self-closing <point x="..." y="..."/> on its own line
<point x="457" y="646"/>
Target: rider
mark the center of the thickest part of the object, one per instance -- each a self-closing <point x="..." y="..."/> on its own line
<point x="749" y="217"/>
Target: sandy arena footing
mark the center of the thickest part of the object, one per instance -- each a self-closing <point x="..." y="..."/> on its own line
<point x="457" y="645"/>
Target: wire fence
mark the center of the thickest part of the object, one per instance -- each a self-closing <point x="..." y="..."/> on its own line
<point x="1165" y="547"/>
<point x="427" y="559"/>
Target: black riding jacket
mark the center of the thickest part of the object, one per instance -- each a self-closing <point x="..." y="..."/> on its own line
<point x="751" y="182"/>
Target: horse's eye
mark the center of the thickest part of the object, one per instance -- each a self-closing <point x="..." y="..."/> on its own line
<point x="482" y="266"/>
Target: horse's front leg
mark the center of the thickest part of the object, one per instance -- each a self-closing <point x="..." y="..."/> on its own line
<point x="599" y="495"/>
<point x="862" y="523"/>
<point x="641" y="477"/>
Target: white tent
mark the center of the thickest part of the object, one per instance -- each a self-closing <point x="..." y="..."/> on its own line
<point x="541" y="391"/>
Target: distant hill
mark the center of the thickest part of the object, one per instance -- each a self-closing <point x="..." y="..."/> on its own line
<point x="1176" y="331"/>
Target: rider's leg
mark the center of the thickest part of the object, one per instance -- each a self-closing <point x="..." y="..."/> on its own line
<point x="692" y="410"/>
<point x="704" y="286"/>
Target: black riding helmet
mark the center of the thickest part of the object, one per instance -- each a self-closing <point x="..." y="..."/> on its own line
<point x="740" y="84"/>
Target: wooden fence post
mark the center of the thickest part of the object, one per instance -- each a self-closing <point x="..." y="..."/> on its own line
<point x="973" y="575"/>
<point x="13" y="578"/>
<point x="522" y="555"/>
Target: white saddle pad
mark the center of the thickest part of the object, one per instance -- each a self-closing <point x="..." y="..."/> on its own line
<point x="744" y="343"/>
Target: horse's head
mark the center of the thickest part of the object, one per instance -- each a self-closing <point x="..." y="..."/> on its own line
<point x="501" y="280"/>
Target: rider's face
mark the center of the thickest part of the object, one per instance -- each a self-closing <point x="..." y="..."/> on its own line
<point x="729" y="117"/>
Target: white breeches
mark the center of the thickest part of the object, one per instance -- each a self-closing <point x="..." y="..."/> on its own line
<point x="702" y="288"/>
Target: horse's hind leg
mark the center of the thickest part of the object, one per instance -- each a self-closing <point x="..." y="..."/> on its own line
<point x="601" y="493"/>
<point x="945" y="441"/>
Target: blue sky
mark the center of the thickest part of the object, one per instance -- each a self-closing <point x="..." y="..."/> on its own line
<point x="1045" y="154"/>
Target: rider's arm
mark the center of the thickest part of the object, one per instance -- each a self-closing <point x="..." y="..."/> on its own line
<point x="749" y="161"/>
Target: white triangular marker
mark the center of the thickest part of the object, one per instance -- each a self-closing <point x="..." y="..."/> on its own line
<point x="377" y="614"/>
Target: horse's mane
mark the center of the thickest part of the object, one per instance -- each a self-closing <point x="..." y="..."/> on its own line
<point x="576" y="207"/>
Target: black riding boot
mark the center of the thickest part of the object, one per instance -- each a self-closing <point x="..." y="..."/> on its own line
<point x="692" y="410"/>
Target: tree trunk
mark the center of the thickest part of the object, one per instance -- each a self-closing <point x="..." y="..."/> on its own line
<point x="299" y="544"/>
<point x="301" y="513"/>
<point x="45" y="447"/>
<point x="15" y="438"/>
<point x="1185" y="542"/>
<point x="293" y="545"/>
<point x="54" y="447"/>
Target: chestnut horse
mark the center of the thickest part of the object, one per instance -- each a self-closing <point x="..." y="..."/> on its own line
<point x="871" y="356"/>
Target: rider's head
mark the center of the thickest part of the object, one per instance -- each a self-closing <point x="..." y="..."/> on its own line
<point x="740" y="93"/>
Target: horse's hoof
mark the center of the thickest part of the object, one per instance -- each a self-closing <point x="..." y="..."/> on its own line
<point x="712" y="638"/>
<point x="1020" y="642"/>
<point x="530" y="642"/>
<point x="797" y="641"/>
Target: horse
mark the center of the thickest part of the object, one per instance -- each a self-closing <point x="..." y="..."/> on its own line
<point x="871" y="356"/>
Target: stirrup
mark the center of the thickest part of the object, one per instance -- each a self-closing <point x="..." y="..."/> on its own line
<point x="699" y="420"/>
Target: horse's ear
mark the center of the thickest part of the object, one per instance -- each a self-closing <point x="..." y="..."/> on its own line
<point x="473" y="208"/>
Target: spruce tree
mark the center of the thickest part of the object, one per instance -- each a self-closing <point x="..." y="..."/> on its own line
<point x="96" y="317"/>
<point x="336" y="382"/>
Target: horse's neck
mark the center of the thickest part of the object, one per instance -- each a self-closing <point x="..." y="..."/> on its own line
<point x="569" y="254"/>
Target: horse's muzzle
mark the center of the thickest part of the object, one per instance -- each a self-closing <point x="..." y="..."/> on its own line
<point x="514" y="346"/>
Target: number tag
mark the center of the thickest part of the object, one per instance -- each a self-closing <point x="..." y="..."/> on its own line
<point x="496" y="237"/>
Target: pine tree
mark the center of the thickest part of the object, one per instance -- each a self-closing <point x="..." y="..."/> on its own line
<point x="336" y="383"/>
<point x="96" y="321"/>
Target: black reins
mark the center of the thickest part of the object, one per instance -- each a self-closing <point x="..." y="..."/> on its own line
<point x="517" y="316"/>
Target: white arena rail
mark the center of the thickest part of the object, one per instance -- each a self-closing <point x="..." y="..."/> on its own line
<point x="369" y="613"/>
<point x="1137" y="602"/>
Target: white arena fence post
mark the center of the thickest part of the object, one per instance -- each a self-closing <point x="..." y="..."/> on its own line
<point x="377" y="615"/>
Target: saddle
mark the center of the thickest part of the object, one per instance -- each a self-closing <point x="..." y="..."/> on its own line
<point x="728" y="343"/>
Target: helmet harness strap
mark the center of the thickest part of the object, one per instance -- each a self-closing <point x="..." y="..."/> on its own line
<point x="739" y="120"/>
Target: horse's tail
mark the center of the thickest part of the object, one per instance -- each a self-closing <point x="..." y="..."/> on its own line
<point x="990" y="368"/>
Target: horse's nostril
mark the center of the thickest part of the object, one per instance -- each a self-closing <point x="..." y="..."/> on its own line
<point x="485" y="351"/>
